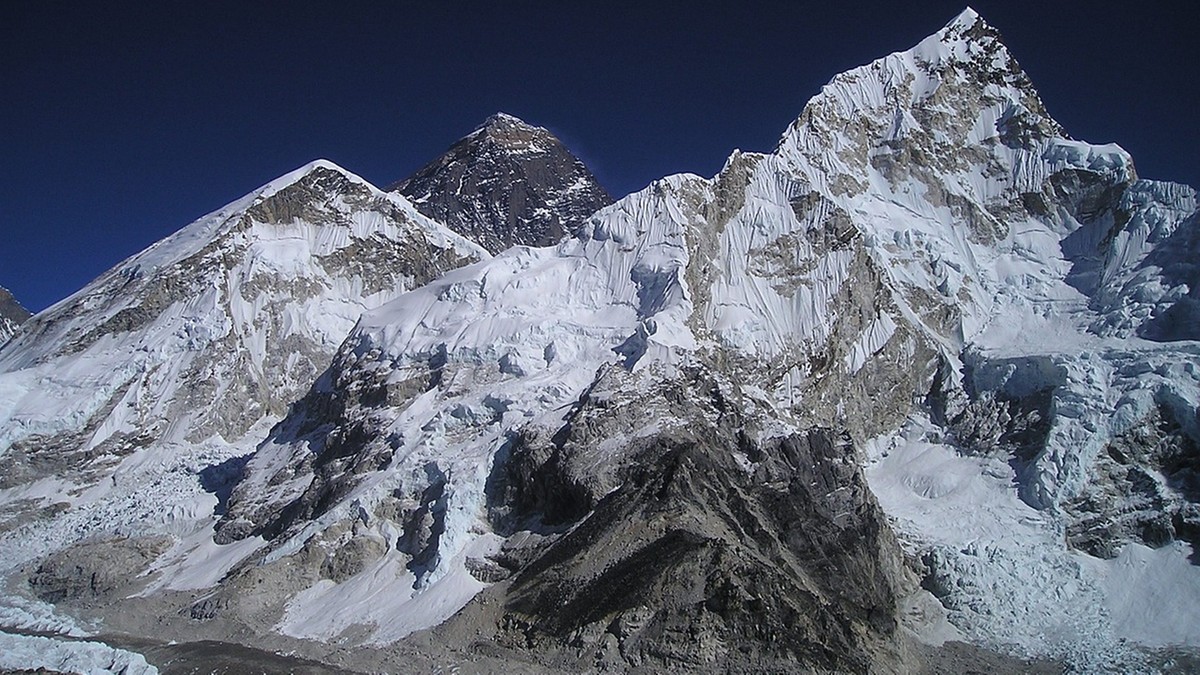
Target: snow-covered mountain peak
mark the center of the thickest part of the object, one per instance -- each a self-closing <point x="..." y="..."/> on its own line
<point x="514" y="134"/>
<point x="967" y="17"/>
<point x="967" y="22"/>
<point x="501" y="124"/>
<point x="209" y="334"/>
<point x="960" y="85"/>
<point x="300" y="172"/>
<point x="316" y="188"/>
<point x="919" y="228"/>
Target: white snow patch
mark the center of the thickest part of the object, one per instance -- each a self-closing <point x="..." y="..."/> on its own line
<point x="19" y="613"/>
<point x="1152" y="595"/>
<point x="28" y="652"/>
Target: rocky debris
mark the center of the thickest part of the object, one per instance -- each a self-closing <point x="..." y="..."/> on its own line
<point x="693" y="562"/>
<point x="207" y="608"/>
<point x="94" y="573"/>
<point x="506" y="183"/>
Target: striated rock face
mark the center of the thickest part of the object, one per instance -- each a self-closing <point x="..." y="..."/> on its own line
<point x="711" y="550"/>
<point x="506" y="183"/>
<point x="12" y="315"/>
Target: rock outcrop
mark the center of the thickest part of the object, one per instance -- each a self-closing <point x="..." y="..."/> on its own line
<point x="12" y="315"/>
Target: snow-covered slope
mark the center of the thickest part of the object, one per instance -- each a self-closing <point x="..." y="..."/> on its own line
<point x="12" y="315"/>
<point x="124" y="407"/>
<point x="925" y="258"/>
<point x="506" y="183"/>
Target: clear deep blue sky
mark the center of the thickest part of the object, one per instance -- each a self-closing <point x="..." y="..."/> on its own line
<point x="121" y="122"/>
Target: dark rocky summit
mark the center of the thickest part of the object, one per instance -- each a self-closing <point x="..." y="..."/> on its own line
<point x="506" y="183"/>
<point x="12" y="314"/>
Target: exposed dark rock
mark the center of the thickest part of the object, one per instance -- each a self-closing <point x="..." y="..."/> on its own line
<point x="425" y="526"/>
<point x="95" y="572"/>
<point x="1145" y="487"/>
<point x="10" y="309"/>
<point x="208" y="608"/>
<point x="506" y="183"/>
<point x="696" y="561"/>
<point x="12" y="315"/>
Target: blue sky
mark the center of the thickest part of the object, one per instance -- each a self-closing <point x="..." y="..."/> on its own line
<point x="124" y="121"/>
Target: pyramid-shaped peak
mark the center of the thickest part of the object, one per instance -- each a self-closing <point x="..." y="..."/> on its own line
<point x="503" y="119"/>
<point x="513" y="134"/>
<point x="10" y="309"/>
<point x="951" y="80"/>
<point x="965" y="29"/>
<point x="966" y="18"/>
<point x="315" y="182"/>
<point x="317" y="166"/>
<point x="507" y="182"/>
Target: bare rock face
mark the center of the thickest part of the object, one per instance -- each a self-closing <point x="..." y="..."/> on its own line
<point x="506" y="183"/>
<point x="1145" y="487"/>
<point x="713" y="552"/>
<point x="96" y="572"/>
<point x="12" y="315"/>
<point x="724" y="566"/>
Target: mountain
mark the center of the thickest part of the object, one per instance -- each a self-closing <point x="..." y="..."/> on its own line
<point x="506" y="183"/>
<point x="127" y="406"/>
<point x="916" y="391"/>
<point x="12" y="315"/>
<point x="647" y="437"/>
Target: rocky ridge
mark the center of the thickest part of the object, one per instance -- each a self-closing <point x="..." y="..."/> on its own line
<point x="504" y="184"/>
<point x="12" y="315"/>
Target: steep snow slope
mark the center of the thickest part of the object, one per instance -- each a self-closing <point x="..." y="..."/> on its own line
<point x="1035" y="263"/>
<point x="426" y="390"/>
<point x="124" y="407"/>
<point x="506" y="183"/>
<point x="925" y="243"/>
